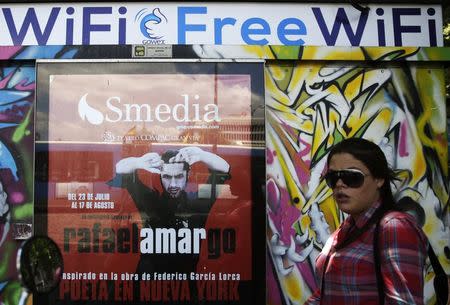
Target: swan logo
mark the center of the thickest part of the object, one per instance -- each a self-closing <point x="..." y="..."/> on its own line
<point x="153" y="26"/>
<point x="88" y="113"/>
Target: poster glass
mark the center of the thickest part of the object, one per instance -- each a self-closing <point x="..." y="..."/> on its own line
<point x="150" y="179"/>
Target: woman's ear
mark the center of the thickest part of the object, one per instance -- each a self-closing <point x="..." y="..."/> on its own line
<point x="380" y="182"/>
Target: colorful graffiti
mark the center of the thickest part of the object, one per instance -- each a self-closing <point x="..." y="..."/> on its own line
<point x="16" y="168"/>
<point x="17" y="89"/>
<point x="310" y="105"/>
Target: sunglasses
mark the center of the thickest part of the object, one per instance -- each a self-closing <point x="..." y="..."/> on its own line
<point x="350" y="177"/>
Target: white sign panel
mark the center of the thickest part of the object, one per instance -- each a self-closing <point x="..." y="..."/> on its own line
<point x="220" y="24"/>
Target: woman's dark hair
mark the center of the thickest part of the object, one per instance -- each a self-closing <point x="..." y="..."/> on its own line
<point x="374" y="159"/>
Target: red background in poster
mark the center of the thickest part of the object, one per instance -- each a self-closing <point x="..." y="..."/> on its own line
<point x="82" y="156"/>
<point x="66" y="162"/>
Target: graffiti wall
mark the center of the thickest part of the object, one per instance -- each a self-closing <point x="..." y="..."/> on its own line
<point x="313" y="103"/>
<point x="16" y="167"/>
<point x="310" y="105"/>
<point x="17" y="89"/>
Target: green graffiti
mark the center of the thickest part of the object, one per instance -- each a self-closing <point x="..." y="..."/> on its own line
<point x="24" y="211"/>
<point x="22" y="130"/>
<point x="281" y="52"/>
<point x="11" y="293"/>
<point x="7" y="249"/>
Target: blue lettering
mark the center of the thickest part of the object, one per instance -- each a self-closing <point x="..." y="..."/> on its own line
<point x="432" y="28"/>
<point x="282" y="31"/>
<point x="246" y="31"/>
<point x="122" y="25"/>
<point x="69" y="26"/>
<point x="381" y="33"/>
<point x="432" y="33"/>
<point x="218" y="26"/>
<point x="183" y="27"/>
<point x="153" y="41"/>
<point x="30" y="19"/>
<point x="398" y="28"/>
<point x="381" y="29"/>
<point x="88" y="27"/>
<point x="341" y="19"/>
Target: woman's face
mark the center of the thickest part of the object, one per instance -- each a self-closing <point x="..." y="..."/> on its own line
<point x="353" y="198"/>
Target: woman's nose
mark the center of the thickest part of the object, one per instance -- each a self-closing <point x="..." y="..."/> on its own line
<point x="340" y="183"/>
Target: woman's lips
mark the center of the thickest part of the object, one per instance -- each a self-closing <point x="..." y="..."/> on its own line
<point x="341" y="198"/>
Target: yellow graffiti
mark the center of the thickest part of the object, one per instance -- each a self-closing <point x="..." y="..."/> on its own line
<point x="321" y="104"/>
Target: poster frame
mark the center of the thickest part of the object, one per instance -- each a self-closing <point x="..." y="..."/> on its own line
<point x="41" y="146"/>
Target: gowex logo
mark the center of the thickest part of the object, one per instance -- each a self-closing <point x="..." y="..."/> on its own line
<point x="153" y="26"/>
<point x="182" y="112"/>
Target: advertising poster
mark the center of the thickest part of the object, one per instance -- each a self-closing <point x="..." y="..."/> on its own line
<point x="150" y="178"/>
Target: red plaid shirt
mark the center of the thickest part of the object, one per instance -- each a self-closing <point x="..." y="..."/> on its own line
<point x="350" y="277"/>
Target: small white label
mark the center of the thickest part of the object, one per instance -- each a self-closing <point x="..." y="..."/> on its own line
<point x="152" y="51"/>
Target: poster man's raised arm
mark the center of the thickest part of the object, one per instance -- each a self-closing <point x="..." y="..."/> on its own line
<point x="192" y="155"/>
<point x="150" y="162"/>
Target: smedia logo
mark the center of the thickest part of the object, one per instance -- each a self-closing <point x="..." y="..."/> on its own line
<point x="116" y="111"/>
<point x="153" y="26"/>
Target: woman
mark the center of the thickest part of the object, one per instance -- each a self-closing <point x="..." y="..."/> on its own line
<point x="360" y="178"/>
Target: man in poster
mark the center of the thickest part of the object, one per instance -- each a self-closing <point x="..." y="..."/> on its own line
<point x="174" y="207"/>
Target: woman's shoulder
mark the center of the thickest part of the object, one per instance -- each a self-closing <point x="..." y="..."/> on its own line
<point x="398" y="218"/>
<point x="395" y="215"/>
<point x="403" y="224"/>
